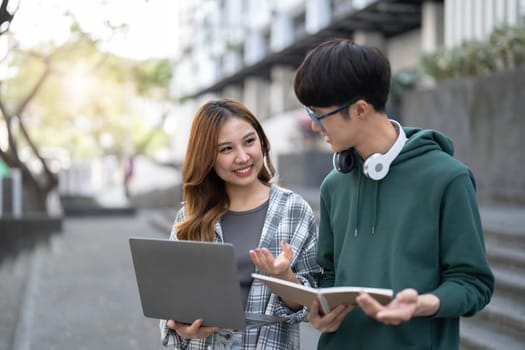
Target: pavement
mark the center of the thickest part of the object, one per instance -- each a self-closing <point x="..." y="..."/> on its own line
<point x="81" y="291"/>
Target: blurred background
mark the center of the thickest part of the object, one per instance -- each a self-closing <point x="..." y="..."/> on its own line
<point x="96" y="103"/>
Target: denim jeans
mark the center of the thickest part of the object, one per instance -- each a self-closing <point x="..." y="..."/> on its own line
<point x="237" y="341"/>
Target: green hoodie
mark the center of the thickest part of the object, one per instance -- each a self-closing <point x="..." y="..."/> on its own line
<point x="417" y="228"/>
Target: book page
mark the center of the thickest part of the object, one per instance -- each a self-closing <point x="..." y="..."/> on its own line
<point x="290" y="291"/>
<point x="347" y="295"/>
<point x="329" y="298"/>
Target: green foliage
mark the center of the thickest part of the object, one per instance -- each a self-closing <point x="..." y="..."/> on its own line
<point x="508" y="43"/>
<point x="401" y="82"/>
<point x="504" y="49"/>
<point x="89" y="95"/>
<point x="152" y="74"/>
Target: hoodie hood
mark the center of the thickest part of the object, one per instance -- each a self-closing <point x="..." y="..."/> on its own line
<point x="421" y="141"/>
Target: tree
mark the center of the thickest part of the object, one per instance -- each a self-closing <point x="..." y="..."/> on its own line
<point x="57" y="87"/>
<point x="6" y="15"/>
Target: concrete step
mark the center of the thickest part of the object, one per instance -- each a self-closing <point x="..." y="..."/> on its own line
<point x="505" y="218"/>
<point x="505" y="255"/>
<point x="505" y="314"/>
<point x="161" y="220"/>
<point x="509" y="282"/>
<point x="479" y="337"/>
<point x="508" y="238"/>
<point x="504" y="225"/>
<point x="501" y="324"/>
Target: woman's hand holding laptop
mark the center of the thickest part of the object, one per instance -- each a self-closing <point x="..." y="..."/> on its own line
<point x="193" y="330"/>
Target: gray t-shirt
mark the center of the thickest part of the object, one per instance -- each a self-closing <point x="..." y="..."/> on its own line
<point x="243" y="229"/>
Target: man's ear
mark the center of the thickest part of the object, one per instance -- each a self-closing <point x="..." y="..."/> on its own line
<point x="362" y="108"/>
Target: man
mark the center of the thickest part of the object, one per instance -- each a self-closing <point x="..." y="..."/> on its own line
<point x="398" y="212"/>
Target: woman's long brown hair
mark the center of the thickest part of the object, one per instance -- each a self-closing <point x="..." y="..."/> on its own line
<point x="204" y="192"/>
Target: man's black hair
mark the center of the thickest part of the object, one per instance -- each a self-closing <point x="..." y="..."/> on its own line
<point x="338" y="71"/>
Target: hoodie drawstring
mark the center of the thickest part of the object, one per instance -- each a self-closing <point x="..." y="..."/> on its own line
<point x="374" y="206"/>
<point x="355" y="206"/>
<point x="356" y="203"/>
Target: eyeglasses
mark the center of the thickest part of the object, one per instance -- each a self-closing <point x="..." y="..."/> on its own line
<point x="317" y="117"/>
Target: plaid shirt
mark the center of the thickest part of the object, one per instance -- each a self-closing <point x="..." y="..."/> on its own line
<point x="291" y="219"/>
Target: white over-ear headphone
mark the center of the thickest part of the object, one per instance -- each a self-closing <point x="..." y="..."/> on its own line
<point x="376" y="165"/>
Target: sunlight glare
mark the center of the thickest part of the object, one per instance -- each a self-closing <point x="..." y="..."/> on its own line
<point x="150" y="26"/>
<point x="78" y="85"/>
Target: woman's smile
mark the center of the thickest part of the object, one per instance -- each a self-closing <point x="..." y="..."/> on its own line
<point x="246" y="171"/>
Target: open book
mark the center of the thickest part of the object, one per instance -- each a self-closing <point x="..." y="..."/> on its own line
<point x="328" y="298"/>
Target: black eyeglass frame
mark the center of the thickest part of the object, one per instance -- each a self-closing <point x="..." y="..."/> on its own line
<point x="317" y="117"/>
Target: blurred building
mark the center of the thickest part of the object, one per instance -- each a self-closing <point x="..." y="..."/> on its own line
<point x="249" y="50"/>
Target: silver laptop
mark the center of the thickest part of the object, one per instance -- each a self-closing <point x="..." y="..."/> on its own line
<point x="188" y="280"/>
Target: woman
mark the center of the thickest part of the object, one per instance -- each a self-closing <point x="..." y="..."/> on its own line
<point x="228" y="197"/>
